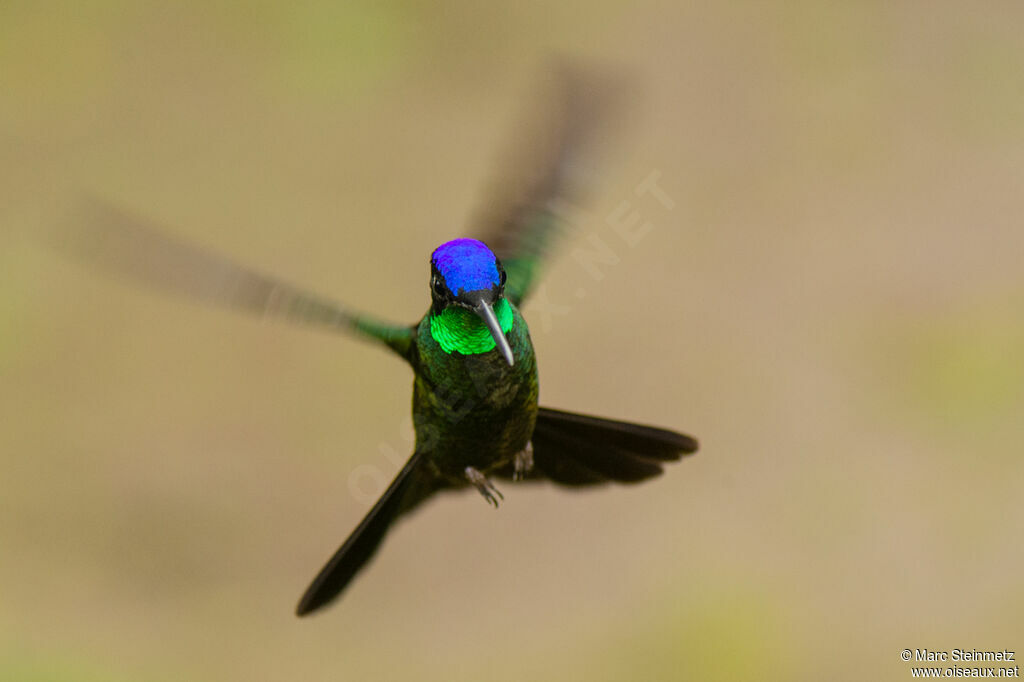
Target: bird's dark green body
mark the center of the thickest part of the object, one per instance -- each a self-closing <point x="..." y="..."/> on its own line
<point x="475" y="388"/>
<point x="473" y="410"/>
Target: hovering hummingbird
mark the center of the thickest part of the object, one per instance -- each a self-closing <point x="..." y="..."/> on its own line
<point x="475" y="388"/>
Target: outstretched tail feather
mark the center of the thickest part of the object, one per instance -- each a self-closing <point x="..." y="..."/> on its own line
<point x="645" y="441"/>
<point x="605" y="460"/>
<point x="575" y="449"/>
<point x="411" y="486"/>
<point x="550" y="463"/>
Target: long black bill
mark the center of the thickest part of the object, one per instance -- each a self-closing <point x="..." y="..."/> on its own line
<point x="486" y="313"/>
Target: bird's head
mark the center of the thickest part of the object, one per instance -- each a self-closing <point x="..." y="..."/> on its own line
<point x="465" y="275"/>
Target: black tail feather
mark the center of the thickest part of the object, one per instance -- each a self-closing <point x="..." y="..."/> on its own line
<point x="576" y="449"/>
<point x="645" y="441"/>
<point x="411" y="486"/>
<point x="606" y="460"/>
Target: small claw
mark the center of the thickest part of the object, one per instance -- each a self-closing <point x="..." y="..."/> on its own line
<point x="523" y="462"/>
<point x="486" y="488"/>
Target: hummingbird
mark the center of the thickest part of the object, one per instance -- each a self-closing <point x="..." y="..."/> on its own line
<point x="475" y="406"/>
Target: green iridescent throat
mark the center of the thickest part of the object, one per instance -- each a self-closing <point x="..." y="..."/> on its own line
<point x="458" y="330"/>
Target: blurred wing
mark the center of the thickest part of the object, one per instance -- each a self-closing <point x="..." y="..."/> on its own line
<point x="548" y="170"/>
<point x="116" y="242"/>
<point x="575" y="449"/>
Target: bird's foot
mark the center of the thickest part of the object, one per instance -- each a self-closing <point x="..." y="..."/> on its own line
<point x="523" y="462"/>
<point x="484" y="485"/>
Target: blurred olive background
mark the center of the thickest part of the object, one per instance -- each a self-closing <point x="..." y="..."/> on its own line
<point x="832" y="304"/>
